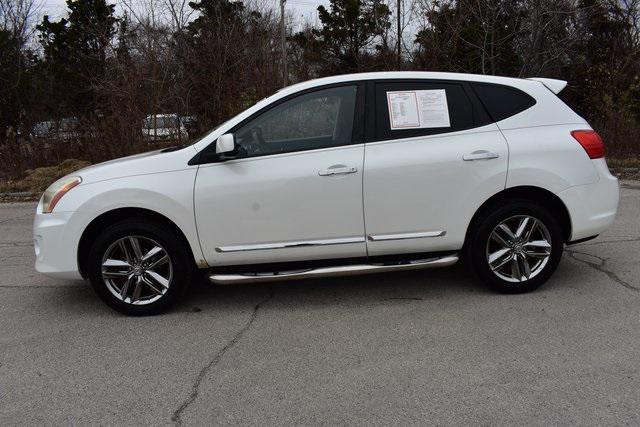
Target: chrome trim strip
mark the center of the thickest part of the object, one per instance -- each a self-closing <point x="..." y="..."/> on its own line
<point x="294" y="244"/>
<point x="345" y="270"/>
<point x="403" y="236"/>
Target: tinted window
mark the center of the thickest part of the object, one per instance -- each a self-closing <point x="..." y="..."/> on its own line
<point x="314" y="120"/>
<point x="461" y="112"/>
<point x="502" y="101"/>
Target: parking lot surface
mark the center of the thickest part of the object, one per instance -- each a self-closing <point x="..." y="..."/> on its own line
<point x="428" y="347"/>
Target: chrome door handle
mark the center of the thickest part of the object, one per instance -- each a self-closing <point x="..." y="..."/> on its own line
<point x="337" y="171"/>
<point x="480" y="155"/>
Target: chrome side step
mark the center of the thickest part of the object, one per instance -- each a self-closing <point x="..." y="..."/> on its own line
<point x="343" y="270"/>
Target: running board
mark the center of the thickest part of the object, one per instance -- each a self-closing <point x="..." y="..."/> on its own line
<point x="343" y="270"/>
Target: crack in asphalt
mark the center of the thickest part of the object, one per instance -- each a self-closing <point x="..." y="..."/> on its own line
<point x="600" y="242"/>
<point x="7" y="257"/>
<point x="41" y="286"/>
<point x="19" y="218"/>
<point x="177" y="414"/>
<point x="600" y="267"/>
<point x="15" y="244"/>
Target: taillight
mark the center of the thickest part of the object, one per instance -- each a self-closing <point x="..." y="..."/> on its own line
<point x="591" y="142"/>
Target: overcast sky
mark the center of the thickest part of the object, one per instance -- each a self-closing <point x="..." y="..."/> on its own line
<point x="301" y="10"/>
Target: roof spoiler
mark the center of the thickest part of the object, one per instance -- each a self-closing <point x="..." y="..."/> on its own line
<point x="553" y="85"/>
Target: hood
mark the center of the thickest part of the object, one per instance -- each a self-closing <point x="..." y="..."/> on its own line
<point x="139" y="164"/>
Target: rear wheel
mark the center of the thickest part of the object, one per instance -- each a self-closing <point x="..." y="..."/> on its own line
<point x="515" y="247"/>
<point x="139" y="268"/>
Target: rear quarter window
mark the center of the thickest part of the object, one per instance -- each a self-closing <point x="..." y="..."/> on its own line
<point x="502" y="101"/>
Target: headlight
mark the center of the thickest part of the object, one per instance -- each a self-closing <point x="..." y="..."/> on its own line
<point x="54" y="193"/>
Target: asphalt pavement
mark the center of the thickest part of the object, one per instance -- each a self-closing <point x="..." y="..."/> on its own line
<point x="420" y="347"/>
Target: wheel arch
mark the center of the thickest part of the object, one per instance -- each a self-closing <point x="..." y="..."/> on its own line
<point x="539" y="195"/>
<point x="115" y="215"/>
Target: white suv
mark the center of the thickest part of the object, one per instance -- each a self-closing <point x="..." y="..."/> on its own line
<point x="349" y="174"/>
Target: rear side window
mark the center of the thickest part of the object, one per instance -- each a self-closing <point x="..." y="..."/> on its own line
<point x="502" y="101"/>
<point x="416" y="108"/>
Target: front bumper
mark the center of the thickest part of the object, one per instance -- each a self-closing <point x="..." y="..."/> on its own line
<point x="592" y="207"/>
<point x="55" y="242"/>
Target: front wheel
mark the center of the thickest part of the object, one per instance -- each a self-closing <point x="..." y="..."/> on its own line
<point x="516" y="247"/>
<point x="138" y="268"/>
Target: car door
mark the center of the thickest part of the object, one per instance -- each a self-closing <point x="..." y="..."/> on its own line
<point x="427" y="172"/>
<point x="293" y="191"/>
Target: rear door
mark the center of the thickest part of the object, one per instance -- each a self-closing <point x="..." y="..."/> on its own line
<point x="432" y="158"/>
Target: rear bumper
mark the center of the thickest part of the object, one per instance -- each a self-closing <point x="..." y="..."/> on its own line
<point x="592" y="207"/>
<point x="55" y="245"/>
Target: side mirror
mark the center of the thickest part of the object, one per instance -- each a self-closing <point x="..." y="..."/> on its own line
<point x="225" y="143"/>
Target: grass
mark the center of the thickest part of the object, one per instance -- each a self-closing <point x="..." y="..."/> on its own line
<point x="37" y="180"/>
<point x="623" y="162"/>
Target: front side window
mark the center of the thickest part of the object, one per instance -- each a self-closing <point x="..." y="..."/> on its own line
<point x="319" y="119"/>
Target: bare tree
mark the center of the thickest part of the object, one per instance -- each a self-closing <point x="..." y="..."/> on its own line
<point x="17" y="17"/>
<point x="180" y="12"/>
<point x="548" y="34"/>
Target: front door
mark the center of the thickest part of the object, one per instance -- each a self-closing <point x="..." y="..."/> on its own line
<point x="293" y="192"/>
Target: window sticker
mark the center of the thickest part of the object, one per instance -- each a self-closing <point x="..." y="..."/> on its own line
<point x="417" y="109"/>
<point x="403" y="110"/>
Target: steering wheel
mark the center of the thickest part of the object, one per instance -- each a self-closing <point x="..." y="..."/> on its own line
<point x="256" y="134"/>
<point x="250" y="142"/>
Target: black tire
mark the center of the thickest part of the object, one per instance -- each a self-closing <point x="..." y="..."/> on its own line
<point x="181" y="265"/>
<point x="478" y="246"/>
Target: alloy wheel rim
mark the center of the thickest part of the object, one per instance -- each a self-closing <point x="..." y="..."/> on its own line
<point x="137" y="270"/>
<point x="518" y="248"/>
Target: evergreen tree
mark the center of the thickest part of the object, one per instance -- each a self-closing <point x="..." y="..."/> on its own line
<point x="75" y="54"/>
<point x="13" y="80"/>
<point x="350" y="35"/>
<point x="471" y="36"/>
